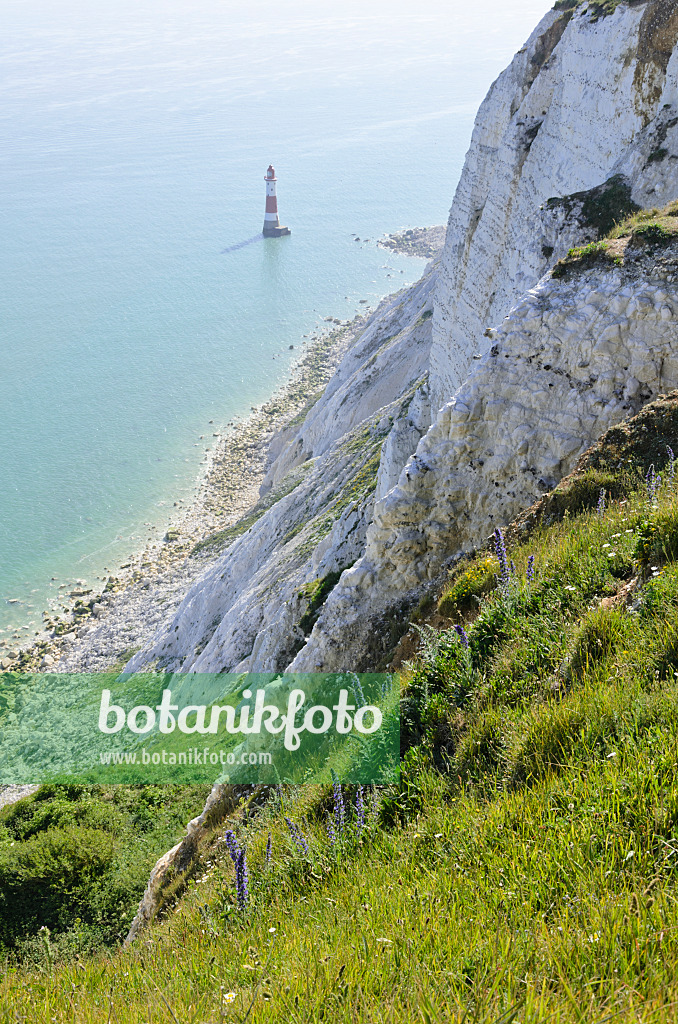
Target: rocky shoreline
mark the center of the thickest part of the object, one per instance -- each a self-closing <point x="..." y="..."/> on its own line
<point x="427" y="243"/>
<point x="102" y="630"/>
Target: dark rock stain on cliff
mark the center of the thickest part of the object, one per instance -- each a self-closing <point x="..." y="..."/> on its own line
<point x="657" y="38"/>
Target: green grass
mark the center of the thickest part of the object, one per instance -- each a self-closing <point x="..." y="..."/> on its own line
<point x="640" y="229"/>
<point x="585" y="256"/>
<point x="316" y="593"/>
<point x="526" y="866"/>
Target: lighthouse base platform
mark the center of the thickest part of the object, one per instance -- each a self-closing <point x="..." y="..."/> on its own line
<point x="276" y="232"/>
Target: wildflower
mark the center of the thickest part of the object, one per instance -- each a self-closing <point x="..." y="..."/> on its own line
<point x="504" y="567"/>
<point x="232" y="844"/>
<point x="652" y="482"/>
<point x="672" y="462"/>
<point x="360" y="701"/>
<point x="462" y="636"/>
<point x="298" y="837"/>
<point x="330" y="831"/>
<point x="600" y="508"/>
<point x="359" y="809"/>
<point x="529" y="575"/>
<point x="374" y="807"/>
<point x="269" y="848"/>
<point x="228" y="997"/>
<point x="339" y="811"/>
<point x="241" y="879"/>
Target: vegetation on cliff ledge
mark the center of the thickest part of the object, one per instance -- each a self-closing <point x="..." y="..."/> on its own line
<point x="642" y="230"/>
<point x="597" y="8"/>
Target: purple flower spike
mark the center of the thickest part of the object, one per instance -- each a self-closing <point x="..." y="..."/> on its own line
<point x="232" y="844"/>
<point x="502" y="558"/>
<point x="359" y="809"/>
<point x="600" y="507"/>
<point x="462" y="636"/>
<point x="672" y="462"/>
<point x="360" y="701"/>
<point x="652" y="482"/>
<point x="339" y="810"/>
<point x="241" y="880"/>
<point x="269" y="848"/>
<point x="298" y="837"/>
<point x="530" y="569"/>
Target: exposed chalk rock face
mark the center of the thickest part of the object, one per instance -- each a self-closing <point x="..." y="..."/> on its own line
<point x="402" y="440"/>
<point x="574" y="357"/>
<point x="583" y="101"/>
<point x="249" y="610"/>
<point x="389" y="355"/>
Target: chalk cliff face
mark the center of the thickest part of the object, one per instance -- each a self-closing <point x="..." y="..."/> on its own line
<point x="253" y="608"/>
<point x="582" y="101"/>
<point x="519" y="373"/>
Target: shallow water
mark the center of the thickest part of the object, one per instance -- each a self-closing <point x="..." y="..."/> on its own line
<point x="136" y="137"/>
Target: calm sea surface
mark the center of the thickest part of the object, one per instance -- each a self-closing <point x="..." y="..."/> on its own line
<point x="135" y="140"/>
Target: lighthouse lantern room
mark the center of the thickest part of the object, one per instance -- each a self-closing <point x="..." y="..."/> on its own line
<point x="272" y="228"/>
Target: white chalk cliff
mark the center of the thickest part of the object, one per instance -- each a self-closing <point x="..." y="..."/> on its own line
<point x="436" y="428"/>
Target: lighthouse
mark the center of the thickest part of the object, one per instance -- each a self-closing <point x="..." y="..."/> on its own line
<point x="272" y="228"/>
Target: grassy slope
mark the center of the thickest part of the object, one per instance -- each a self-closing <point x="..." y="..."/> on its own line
<point x="527" y="867"/>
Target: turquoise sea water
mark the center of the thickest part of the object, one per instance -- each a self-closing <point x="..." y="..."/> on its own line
<point x="136" y="137"/>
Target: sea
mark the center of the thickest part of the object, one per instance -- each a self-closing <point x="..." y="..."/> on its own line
<point x="140" y="308"/>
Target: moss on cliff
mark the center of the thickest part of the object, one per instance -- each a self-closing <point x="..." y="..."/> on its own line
<point x="599" y="208"/>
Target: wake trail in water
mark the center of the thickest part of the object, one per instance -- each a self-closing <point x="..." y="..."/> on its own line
<point x="241" y="245"/>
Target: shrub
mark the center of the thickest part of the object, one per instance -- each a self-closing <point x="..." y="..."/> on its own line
<point x="45" y="880"/>
<point x="76" y="859"/>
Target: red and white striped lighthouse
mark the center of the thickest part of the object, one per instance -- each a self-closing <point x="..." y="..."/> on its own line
<point x="272" y="228"/>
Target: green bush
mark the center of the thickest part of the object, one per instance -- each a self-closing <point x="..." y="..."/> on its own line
<point x="46" y="880"/>
<point x="76" y="860"/>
